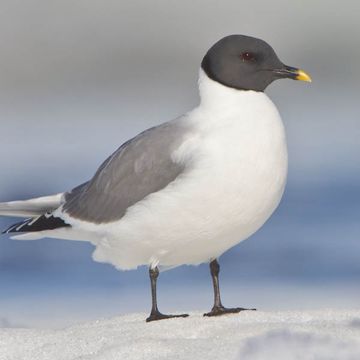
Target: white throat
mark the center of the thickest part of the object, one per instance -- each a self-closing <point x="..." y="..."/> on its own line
<point x="215" y="95"/>
<point x="246" y="109"/>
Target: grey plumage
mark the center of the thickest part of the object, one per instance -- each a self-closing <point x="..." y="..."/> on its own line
<point x="140" y="166"/>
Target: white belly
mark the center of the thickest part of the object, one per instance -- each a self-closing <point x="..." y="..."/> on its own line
<point x="234" y="181"/>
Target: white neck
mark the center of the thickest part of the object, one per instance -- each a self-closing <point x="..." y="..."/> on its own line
<point x="214" y="94"/>
<point x="221" y="101"/>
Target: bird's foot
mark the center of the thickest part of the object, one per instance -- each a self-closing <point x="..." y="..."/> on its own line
<point x="159" y="316"/>
<point x="221" y="310"/>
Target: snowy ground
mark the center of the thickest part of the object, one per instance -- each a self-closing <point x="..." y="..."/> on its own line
<point x="325" y="334"/>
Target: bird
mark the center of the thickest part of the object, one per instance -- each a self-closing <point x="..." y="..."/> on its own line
<point x="186" y="191"/>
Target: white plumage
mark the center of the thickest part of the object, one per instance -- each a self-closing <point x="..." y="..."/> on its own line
<point x="235" y="176"/>
<point x="31" y="207"/>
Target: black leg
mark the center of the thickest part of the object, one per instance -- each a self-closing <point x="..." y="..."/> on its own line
<point x="155" y="313"/>
<point x="218" y="308"/>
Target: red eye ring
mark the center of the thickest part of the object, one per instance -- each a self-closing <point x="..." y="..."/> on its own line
<point x="247" y="56"/>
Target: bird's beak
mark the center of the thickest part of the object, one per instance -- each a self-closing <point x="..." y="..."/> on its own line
<point x="293" y="73"/>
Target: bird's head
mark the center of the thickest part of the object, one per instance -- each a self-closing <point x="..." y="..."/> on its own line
<point x="246" y="63"/>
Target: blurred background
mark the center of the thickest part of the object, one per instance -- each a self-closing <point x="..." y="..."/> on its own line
<point x="78" y="78"/>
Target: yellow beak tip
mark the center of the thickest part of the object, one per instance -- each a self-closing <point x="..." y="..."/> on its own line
<point x="303" y="76"/>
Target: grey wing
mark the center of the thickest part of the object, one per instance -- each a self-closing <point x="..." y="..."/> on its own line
<point x="141" y="166"/>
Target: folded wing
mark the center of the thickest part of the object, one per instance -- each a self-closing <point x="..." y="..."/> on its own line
<point x="141" y="166"/>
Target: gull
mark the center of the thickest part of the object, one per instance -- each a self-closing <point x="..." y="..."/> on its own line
<point x="186" y="191"/>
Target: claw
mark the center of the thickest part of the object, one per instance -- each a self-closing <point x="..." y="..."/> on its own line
<point x="220" y="310"/>
<point x="160" y="316"/>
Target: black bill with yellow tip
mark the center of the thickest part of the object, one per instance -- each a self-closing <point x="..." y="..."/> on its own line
<point x="292" y="73"/>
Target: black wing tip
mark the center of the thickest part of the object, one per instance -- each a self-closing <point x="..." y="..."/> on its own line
<point x="43" y="222"/>
<point x="16" y="227"/>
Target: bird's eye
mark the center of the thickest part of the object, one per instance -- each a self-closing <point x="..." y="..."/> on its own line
<point x="247" y="56"/>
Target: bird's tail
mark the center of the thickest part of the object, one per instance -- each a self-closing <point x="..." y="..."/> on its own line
<point x="38" y="212"/>
<point x="32" y="207"/>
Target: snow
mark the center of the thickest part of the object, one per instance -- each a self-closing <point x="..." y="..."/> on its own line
<point x="321" y="334"/>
